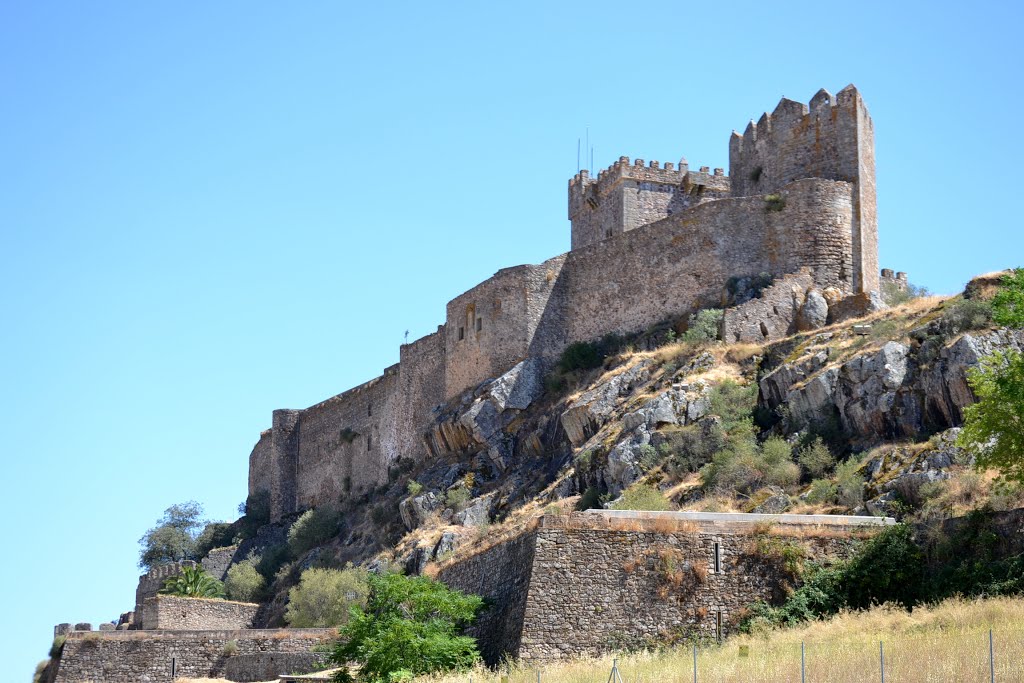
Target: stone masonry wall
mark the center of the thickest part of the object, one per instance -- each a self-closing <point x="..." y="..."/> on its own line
<point x="501" y="575"/>
<point x="597" y="583"/>
<point x="832" y="138"/>
<point x="168" y="612"/>
<point x="151" y="582"/>
<point x="147" y="656"/>
<point x="819" y="160"/>
<point x="772" y="315"/>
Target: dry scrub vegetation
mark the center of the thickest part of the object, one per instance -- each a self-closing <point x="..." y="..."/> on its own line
<point x="948" y="642"/>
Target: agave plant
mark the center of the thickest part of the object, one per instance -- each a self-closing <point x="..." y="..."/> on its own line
<point x="193" y="582"/>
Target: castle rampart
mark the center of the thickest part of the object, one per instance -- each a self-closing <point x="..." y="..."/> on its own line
<point x="650" y="242"/>
<point x="673" y="574"/>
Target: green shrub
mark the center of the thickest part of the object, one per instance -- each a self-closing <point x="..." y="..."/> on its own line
<point x="214" y="535"/>
<point x="271" y="560"/>
<point x="230" y="648"/>
<point x="822" y="491"/>
<point x="816" y="458"/>
<point x="642" y="497"/>
<point x="414" y="487"/>
<point x="589" y="355"/>
<point x="849" y="484"/>
<point x="963" y="315"/>
<point x="733" y="402"/>
<point x="649" y="457"/>
<point x="686" y="449"/>
<point x="193" y="582"/>
<point x="894" y="295"/>
<point x="704" y="326"/>
<point x="774" y="202"/>
<point x="314" y="527"/>
<point x="244" y="583"/>
<point x="1008" y="303"/>
<point x="410" y="627"/>
<point x="590" y="500"/>
<point x="457" y="497"/>
<point x="992" y="426"/>
<point x="744" y="466"/>
<point x="57" y="647"/>
<point x="324" y="597"/>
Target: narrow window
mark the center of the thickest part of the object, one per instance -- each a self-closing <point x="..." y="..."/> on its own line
<point x="462" y="333"/>
<point x="369" y="410"/>
<point x="718" y="557"/>
<point x="369" y="442"/>
<point x="479" y="324"/>
<point x="718" y="625"/>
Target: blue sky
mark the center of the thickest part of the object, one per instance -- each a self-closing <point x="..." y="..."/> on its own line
<point x="211" y="210"/>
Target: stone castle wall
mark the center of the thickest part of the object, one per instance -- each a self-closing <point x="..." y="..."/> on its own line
<point x="816" y="161"/>
<point x="172" y="613"/>
<point x="595" y="582"/>
<point x="152" y="581"/>
<point x="133" y="656"/>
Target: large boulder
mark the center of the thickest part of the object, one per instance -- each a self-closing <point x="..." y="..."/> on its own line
<point x="813" y="313"/>
<point x="593" y="409"/>
<point x="416" y="509"/>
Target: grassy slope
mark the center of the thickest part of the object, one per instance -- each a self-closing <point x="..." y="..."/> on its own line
<point x="948" y="642"/>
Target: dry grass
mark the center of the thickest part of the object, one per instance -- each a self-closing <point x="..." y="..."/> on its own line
<point x="946" y="643"/>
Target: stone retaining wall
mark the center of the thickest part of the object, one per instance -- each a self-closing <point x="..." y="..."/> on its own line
<point x="134" y="656"/>
<point x="168" y="612"/>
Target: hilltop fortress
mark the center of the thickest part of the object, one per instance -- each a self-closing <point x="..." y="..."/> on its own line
<point x="650" y="242"/>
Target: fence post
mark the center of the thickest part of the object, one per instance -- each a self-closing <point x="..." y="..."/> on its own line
<point x="991" y="658"/>
<point x="803" y="667"/>
<point x="881" y="659"/>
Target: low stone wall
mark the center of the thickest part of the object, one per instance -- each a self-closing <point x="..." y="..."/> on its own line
<point x="589" y="583"/>
<point x="168" y="612"/>
<point x="268" y="666"/>
<point x="150" y="657"/>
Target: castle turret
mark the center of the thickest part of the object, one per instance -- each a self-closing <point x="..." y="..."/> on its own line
<point x="627" y="195"/>
<point x="832" y="138"/>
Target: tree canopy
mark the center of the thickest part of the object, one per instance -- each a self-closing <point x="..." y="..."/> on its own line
<point x="994" y="426"/>
<point x="1008" y="303"/>
<point x="174" y="537"/>
<point x="409" y="627"/>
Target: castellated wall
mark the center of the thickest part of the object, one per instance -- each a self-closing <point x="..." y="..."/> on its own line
<point x="133" y="656"/>
<point x="168" y="612"/>
<point x="831" y="138"/>
<point x="586" y="584"/>
<point x="625" y="196"/>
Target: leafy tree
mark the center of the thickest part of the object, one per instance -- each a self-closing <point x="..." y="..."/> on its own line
<point x="244" y="583"/>
<point x="994" y="426"/>
<point x="1008" y="303"/>
<point x="193" y="582"/>
<point x="314" y="527"/>
<point x="325" y="597"/>
<point x="214" y="535"/>
<point x="410" y="627"/>
<point x="174" y="537"/>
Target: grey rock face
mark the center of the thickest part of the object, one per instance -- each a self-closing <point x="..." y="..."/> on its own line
<point x="623" y="466"/>
<point x="415" y="510"/>
<point x="813" y="313"/>
<point x="775" y="504"/>
<point x="592" y="410"/>
<point x="477" y="513"/>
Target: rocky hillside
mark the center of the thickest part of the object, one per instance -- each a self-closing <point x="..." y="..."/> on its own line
<point x="853" y="417"/>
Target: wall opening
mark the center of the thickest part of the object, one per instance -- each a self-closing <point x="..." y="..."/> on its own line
<point x="369" y="410"/>
<point x="718" y="625"/>
<point x="718" y="557"/>
<point x="369" y="441"/>
<point x="462" y="333"/>
<point x="479" y="324"/>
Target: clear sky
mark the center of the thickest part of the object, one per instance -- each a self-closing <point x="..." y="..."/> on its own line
<point x="211" y="210"/>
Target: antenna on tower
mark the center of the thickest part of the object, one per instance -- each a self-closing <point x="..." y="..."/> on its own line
<point x="588" y="146"/>
<point x="577" y="156"/>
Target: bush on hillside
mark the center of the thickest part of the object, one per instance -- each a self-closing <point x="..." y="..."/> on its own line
<point x="325" y="597"/>
<point x="313" y="527"/>
<point x="1008" y="303"/>
<point x="704" y="326"/>
<point x="816" y="458"/>
<point x="642" y="497"/>
<point x="244" y="583"/>
<point x="214" y="535"/>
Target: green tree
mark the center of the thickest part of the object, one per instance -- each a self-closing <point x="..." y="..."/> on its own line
<point x="410" y="627"/>
<point x="174" y="537"/>
<point x="244" y="583"/>
<point x="1008" y="303"/>
<point x="703" y="326"/>
<point x="994" y="426"/>
<point x="816" y="458"/>
<point x="325" y="597"/>
<point x="193" y="582"/>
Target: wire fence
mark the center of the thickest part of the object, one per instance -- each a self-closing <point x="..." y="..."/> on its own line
<point x="901" y="660"/>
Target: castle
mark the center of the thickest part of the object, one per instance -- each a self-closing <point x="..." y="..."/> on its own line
<point x="649" y="242"/>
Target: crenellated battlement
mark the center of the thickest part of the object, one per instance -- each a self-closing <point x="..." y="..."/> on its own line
<point x="628" y="194"/>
